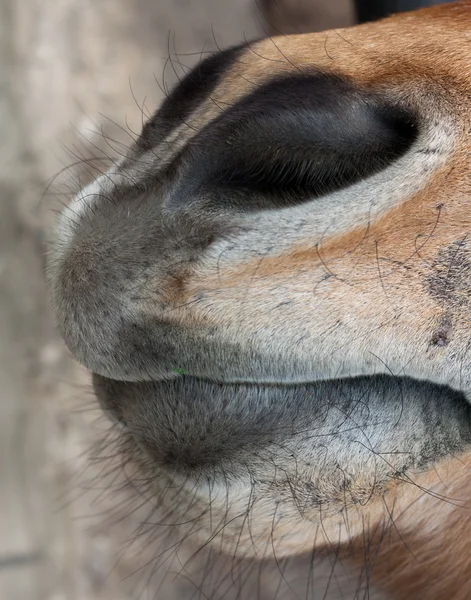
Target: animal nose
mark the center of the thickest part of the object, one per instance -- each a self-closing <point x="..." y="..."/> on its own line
<point x="119" y="265"/>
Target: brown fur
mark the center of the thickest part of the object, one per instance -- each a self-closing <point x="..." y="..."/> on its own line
<point x="425" y="549"/>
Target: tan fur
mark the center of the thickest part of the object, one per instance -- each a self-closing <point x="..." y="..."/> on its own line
<point x="389" y="53"/>
<point x="425" y="549"/>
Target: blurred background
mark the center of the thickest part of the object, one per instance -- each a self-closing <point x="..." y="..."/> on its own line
<point x="77" y="78"/>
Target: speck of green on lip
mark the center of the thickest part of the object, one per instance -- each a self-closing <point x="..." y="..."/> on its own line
<point x="179" y="371"/>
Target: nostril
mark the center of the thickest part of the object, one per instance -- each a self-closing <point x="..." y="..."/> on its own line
<point x="290" y="141"/>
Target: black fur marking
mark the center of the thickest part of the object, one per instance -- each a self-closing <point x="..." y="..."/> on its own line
<point x="371" y="10"/>
<point x="293" y="139"/>
<point x="187" y="96"/>
<point x="441" y="337"/>
<point x="448" y="282"/>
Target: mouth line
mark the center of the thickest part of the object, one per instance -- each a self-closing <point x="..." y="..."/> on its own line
<point x="183" y="375"/>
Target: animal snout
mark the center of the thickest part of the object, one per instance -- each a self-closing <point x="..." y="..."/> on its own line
<point x="146" y="257"/>
<point x="270" y="289"/>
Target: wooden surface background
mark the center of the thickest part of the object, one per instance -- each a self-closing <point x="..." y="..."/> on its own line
<point x="69" y="68"/>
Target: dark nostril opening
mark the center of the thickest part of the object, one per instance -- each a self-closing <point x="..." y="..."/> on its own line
<point x="292" y="140"/>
